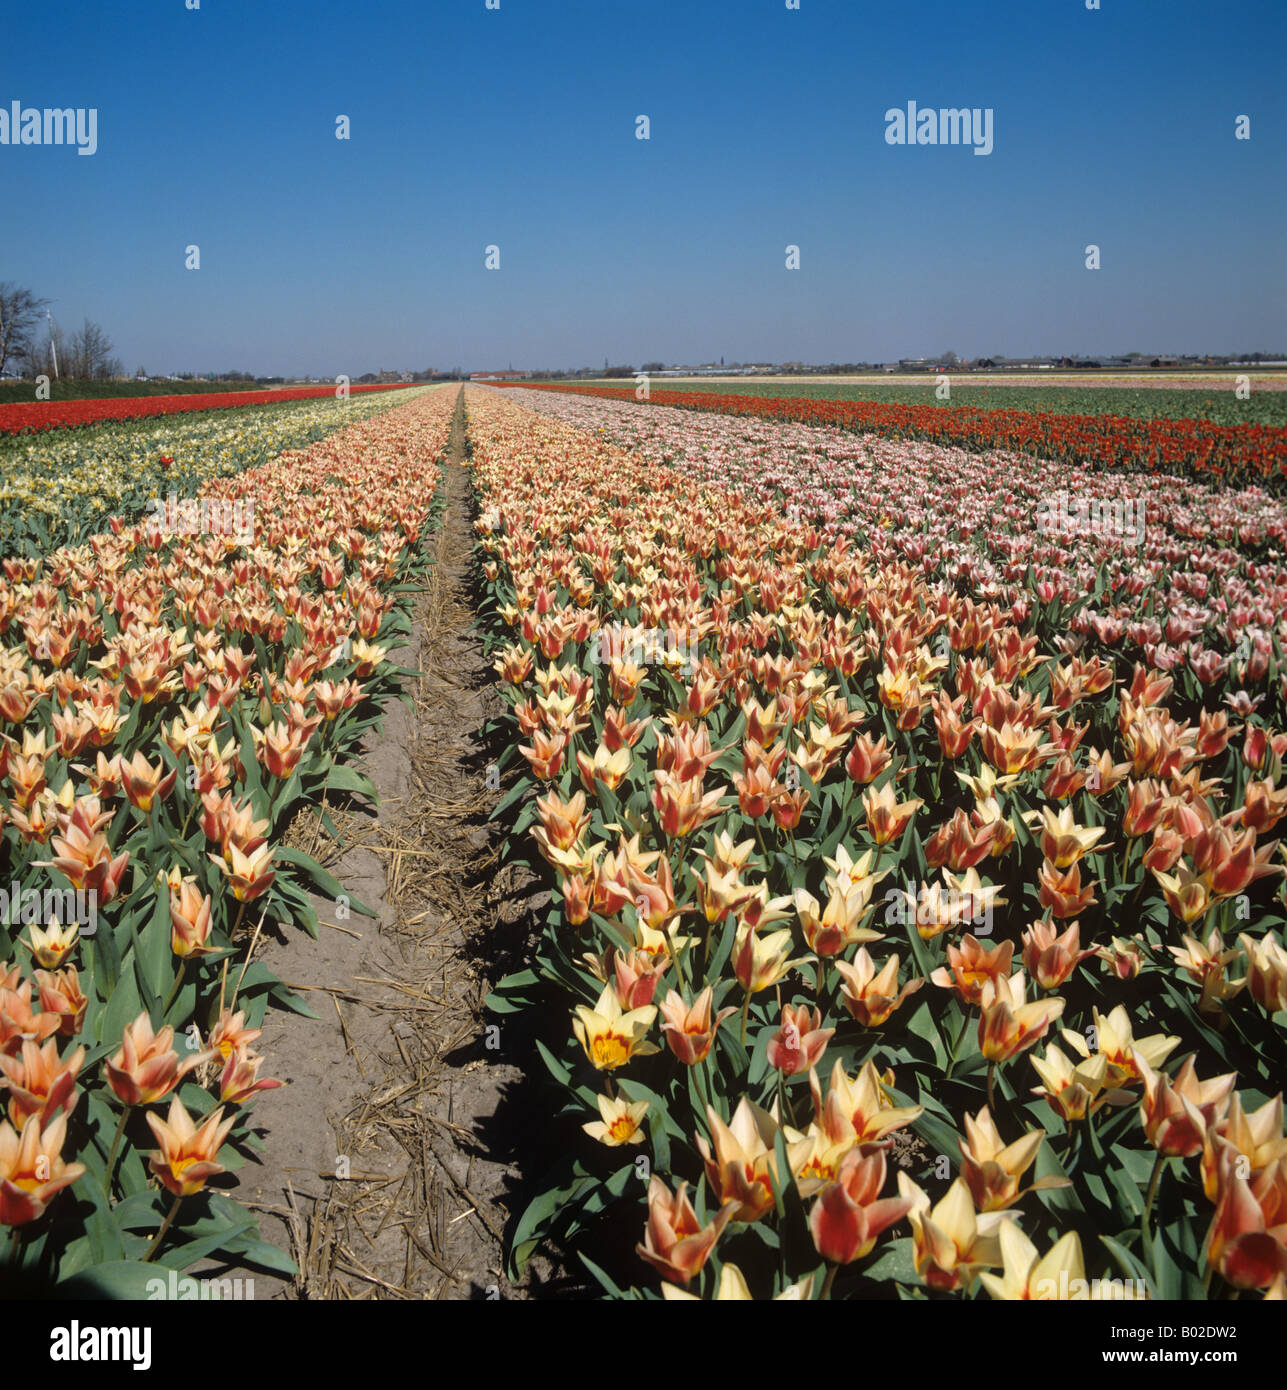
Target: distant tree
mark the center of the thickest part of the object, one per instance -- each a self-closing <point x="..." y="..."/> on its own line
<point x="654" y="367"/>
<point x="89" y="354"/>
<point x="19" y="313"/>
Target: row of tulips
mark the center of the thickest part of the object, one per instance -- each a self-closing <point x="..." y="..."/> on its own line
<point x="59" y="487"/>
<point x="168" y="704"/>
<point x="1232" y="453"/>
<point x="20" y="417"/>
<point x="834" y="897"/>
<point x="1195" y="584"/>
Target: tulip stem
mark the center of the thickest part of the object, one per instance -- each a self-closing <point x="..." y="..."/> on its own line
<point x="174" y="988"/>
<point x="746" y="1009"/>
<point x="828" y="1282"/>
<point x="187" y="820"/>
<point x="111" y="1156"/>
<point x="1146" y="1233"/>
<point x="15" y="1240"/>
<point x="165" y="1226"/>
<point x="992" y="1072"/>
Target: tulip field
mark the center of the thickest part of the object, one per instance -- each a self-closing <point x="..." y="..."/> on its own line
<point x="172" y="695"/>
<point x="904" y="783"/>
<point x="908" y="803"/>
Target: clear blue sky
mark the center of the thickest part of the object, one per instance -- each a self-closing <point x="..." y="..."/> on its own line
<point x="517" y="127"/>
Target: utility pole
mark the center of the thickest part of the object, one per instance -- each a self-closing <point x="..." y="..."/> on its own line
<point x="52" y="347"/>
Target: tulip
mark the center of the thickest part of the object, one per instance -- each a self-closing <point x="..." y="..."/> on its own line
<point x="185" y="1161"/>
<point x="52" y="946"/>
<point x="951" y="1244"/>
<point x="621" y="1123"/>
<point x="1073" y="1092"/>
<point x="240" y="1079"/>
<point x="1249" y="1251"/>
<point x="850" y="1214"/>
<point x="800" y="1041"/>
<point x="61" y="994"/>
<point x="867" y="759"/>
<point x="690" y="1031"/>
<point x="1049" y="957"/>
<point x="674" y="1243"/>
<point x="857" y="1111"/>
<point x="562" y="823"/>
<point x="144" y="784"/>
<point x="40" y="1083"/>
<point x="743" y="1168"/>
<point x="834" y="930"/>
<point x="189" y="921"/>
<point x="1205" y="964"/>
<point x="1256" y="1138"/>
<point x="636" y="976"/>
<point x="1266" y="972"/>
<point x="887" y="817"/>
<point x="1063" y="841"/>
<point x="19" y="1023"/>
<point x="992" y="1170"/>
<point x="1025" y="1275"/>
<point x="1117" y="1043"/>
<point x="971" y="966"/>
<point x="1124" y="957"/>
<point x="759" y="962"/>
<point x="145" y="1067"/>
<point x="870" y="997"/>
<point x="32" y="1170"/>
<point x="682" y="806"/>
<point x="1061" y="890"/>
<point x="248" y="875"/>
<point x="609" y="1036"/>
<point x="1008" y="1025"/>
<point x="1177" y="1114"/>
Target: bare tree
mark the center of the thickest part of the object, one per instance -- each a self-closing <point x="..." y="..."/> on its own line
<point x="89" y="354"/>
<point x="19" y="312"/>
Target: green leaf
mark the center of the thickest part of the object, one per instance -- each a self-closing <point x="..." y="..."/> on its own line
<point x="323" y="878"/>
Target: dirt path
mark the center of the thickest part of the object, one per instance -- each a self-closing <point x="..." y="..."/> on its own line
<point x="390" y="1152"/>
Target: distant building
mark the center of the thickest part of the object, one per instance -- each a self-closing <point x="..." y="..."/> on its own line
<point x="497" y="376"/>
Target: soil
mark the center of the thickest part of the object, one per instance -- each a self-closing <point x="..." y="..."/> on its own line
<point x="391" y="1165"/>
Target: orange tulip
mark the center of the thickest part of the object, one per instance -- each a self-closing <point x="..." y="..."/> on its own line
<point x="800" y="1041"/>
<point x="869" y="996"/>
<point x="40" y="1082"/>
<point x="32" y="1170"/>
<point x="689" y="1029"/>
<point x="1008" y="1025"/>
<point x="850" y="1213"/>
<point x="743" y="1166"/>
<point x="145" y="1067"/>
<point x="189" y="921"/>
<point x="185" y="1161"/>
<point x="1050" y="957"/>
<point x="674" y="1243"/>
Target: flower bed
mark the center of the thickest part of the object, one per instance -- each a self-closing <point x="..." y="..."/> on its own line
<point x="1233" y="453"/>
<point x="169" y="703"/>
<point x="854" y="870"/>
